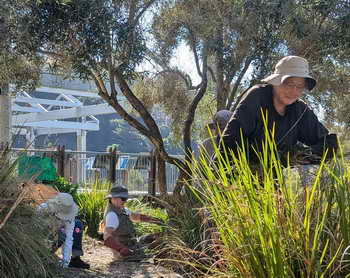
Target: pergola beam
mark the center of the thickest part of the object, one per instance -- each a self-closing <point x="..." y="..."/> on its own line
<point x="44" y="131"/>
<point x="82" y="111"/>
<point x="18" y="108"/>
<point x="61" y="124"/>
<point x="47" y="101"/>
<point x="84" y="93"/>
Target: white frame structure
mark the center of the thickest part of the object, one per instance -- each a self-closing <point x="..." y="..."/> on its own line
<point x="62" y="113"/>
<point x="50" y="116"/>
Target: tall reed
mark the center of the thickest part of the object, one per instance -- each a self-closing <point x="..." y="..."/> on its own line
<point x="270" y="227"/>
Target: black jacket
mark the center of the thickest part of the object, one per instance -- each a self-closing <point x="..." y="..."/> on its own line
<point x="299" y="124"/>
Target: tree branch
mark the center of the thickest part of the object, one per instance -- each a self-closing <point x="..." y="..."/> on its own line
<point x="195" y="54"/>
<point x="136" y="103"/>
<point x="102" y="91"/>
<point x="144" y="9"/>
<point x="193" y="106"/>
<point x="238" y="81"/>
<point x="212" y="74"/>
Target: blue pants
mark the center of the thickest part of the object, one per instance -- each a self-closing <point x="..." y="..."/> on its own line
<point x="77" y="248"/>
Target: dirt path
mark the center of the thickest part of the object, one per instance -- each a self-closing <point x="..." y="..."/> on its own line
<point x="102" y="266"/>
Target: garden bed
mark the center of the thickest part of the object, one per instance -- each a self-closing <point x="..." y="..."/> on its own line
<point x="100" y="259"/>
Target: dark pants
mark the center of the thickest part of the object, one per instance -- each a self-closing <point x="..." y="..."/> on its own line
<point x="77" y="248"/>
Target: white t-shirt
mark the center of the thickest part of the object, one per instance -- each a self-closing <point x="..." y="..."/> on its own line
<point x="112" y="220"/>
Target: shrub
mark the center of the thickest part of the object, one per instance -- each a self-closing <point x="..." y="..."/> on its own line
<point x="23" y="252"/>
<point x="135" y="205"/>
<point x="275" y="228"/>
<point x="62" y="185"/>
<point x="91" y="202"/>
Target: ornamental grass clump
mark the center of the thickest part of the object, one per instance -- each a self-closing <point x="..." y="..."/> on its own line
<point x="186" y="247"/>
<point x="266" y="221"/>
<point x="91" y="201"/>
<point x="270" y="225"/>
<point x="23" y="249"/>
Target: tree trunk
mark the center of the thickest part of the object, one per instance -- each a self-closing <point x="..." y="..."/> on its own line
<point x="185" y="171"/>
<point x="161" y="175"/>
<point x="148" y="128"/>
<point x="180" y="183"/>
<point x="5" y="115"/>
<point x="219" y="65"/>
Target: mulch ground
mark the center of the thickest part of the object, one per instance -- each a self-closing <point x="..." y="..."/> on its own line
<point x="101" y="263"/>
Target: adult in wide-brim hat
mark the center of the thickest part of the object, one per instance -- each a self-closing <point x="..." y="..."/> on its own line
<point x="291" y="66"/>
<point x="275" y="109"/>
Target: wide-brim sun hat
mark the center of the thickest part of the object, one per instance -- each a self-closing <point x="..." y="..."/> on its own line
<point x="291" y="66"/>
<point x="63" y="206"/>
<point x="118" y="192"/>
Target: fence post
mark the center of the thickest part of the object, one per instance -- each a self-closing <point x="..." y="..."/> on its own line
<point x="112" y="165"/>
<point x="152" y="174"/>
<point x="60" y="160"/>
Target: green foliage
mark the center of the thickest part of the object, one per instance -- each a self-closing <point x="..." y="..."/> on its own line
<point x="82" y="34"/>
<point x="62" y="185"/>
<point x="92" y="203"/>
<point x="16" y="67"/>
<point x="136" y="205"/>
<point x="185" y="248"/>
<point x="112" y="148"/>
<point x="24" y="251"/>
<point x="297" y="230"/>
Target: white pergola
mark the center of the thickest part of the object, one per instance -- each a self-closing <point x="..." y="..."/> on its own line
<point x="55" y="108"/>
<point x="61" y="113"/>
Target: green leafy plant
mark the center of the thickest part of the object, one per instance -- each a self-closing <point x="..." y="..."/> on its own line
<point x="91" y="201"/>
<point x="62" y="185"/>
<point x="136" y="205"/>
<point x="271" y="227"/>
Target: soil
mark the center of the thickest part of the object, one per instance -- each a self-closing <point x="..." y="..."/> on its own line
<point x="101" y="263"/>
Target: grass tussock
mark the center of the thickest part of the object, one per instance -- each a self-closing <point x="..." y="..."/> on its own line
<point x="91" y="201"/>
<point x="23" y="251"/>
<point x="267" y="221"/>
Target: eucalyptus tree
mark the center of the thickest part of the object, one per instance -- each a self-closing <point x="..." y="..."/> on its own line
<point x="228" y="40"/>
<point x="103" y="41"/>
<point x="320" y="31"/>
<point x="15" y="68"/>
<point x="233" y="42"/>
<point x="240" y="40"/>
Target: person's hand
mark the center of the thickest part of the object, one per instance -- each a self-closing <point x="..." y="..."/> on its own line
<point x="125" y="252"/>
